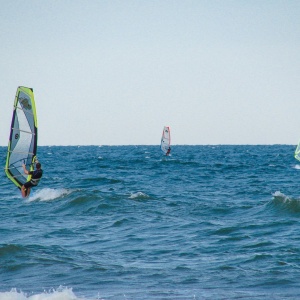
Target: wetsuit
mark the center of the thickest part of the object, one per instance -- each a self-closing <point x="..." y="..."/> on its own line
<point x="35" y="178"/>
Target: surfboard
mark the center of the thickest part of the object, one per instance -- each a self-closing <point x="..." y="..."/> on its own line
<point x="165" y="141"/>
<point x="22" y="145"/>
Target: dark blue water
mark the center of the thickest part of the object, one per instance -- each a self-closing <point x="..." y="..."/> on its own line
<point x="209" y="222"/>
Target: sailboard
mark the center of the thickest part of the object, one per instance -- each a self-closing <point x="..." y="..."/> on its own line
<point x="22" y="145"/>
<point x="165" y="140"/>
<point x="297" y="152"/>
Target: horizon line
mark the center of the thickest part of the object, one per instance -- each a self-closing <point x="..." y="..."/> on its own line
<point x="124" y="145"/>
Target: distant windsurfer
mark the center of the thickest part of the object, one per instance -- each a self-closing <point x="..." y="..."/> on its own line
<point x="36" y="175"/>
<point x="168" y="151"/>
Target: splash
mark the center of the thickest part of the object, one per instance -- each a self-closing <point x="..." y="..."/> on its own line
<point x="60" y="294"/>
<point x="48" y="194"/>
<point x="297" y="167"/>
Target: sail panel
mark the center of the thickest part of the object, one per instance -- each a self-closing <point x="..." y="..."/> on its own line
<point x="23" y="137"/>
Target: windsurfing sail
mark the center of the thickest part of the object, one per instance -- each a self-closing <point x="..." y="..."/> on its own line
<point x="165" y="140"/>
<point x="22" y="146"/>
<point x="297" y="152"/>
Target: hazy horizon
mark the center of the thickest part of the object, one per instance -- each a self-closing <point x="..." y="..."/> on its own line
<point x="115" y="72"/>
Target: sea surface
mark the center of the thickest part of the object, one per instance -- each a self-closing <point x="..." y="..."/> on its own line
<point x="125" y="222"/>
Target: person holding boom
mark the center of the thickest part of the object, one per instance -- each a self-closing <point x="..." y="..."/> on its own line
<point x="36" y="175"/>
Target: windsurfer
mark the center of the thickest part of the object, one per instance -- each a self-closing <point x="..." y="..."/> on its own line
<point x="36" y="175"/>
<point x="168" y="151"/>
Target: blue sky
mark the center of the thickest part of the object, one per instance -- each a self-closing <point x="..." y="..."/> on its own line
<point x="116" y="72"/>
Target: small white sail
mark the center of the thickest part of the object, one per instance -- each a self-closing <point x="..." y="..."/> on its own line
<point x="297" y="152"/>
<point x="165" y="140"/>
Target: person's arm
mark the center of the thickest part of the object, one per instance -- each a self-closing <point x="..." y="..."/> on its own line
<point x="24" y="169"/>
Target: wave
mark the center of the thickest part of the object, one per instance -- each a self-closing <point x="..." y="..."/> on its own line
<point x="62" y="293"/>
<point x="48" y="194"/>
<point x="10" y="249"/>
<point x="285" y="202"/>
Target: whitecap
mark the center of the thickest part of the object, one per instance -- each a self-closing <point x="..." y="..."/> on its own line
<point x="138" y="195"/>
<point x="278" y="194"/>
<point x="281" y="196"/>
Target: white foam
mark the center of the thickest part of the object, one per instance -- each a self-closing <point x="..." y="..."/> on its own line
<point x="59" y="294"/>
<point x="297" y="167"/>
<point x="138" y="195"/>
<point x="48" y="194"/>
<point x="281" y="196"/>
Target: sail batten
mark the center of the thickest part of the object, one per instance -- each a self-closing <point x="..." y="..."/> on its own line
<point x="29" y="132"/>
<point x="22" y="144"/>
<point x="21" y="152"/>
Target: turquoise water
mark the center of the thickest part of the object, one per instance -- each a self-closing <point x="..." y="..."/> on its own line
<point x="124" y="222"/>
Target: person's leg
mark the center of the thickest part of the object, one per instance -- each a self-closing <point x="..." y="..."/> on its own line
<point x="25" y="189"/>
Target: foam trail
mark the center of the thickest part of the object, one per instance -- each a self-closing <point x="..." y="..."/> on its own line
<point x="48" y="194"/>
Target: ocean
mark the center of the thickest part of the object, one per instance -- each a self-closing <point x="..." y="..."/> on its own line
<point x="125" y="222"/>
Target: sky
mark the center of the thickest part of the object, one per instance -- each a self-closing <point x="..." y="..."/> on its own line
<point x="115" y="72"/>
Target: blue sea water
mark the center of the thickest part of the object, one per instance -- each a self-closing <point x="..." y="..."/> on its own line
<point x="124" y="222"/>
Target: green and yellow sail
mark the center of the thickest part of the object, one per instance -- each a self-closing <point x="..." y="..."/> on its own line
<point x="22" y="146"/>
